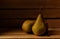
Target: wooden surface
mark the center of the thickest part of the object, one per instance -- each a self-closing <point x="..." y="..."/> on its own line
<point x="21" y="34"/>
<point x="20" y="13"/>
<point x="29" y="13"/>
<point x="52" y="12"/>
<point x="20" y="3"/>
<point x="53" y="23"/>
<point x="52" y="3"/>
<point x="29" y="3"/>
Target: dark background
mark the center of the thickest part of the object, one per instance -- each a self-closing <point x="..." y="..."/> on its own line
<point x="14" y="12"/>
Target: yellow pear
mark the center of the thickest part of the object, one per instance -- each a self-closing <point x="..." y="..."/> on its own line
<point x="27" y="25"/>
<point x="39" y="28"/>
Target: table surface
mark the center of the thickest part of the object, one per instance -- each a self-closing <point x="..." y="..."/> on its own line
<point x="21" y="34"/>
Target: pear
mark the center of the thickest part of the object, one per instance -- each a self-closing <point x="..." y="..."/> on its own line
<point x="38" y="27"/>
<point x="27" y="25"/>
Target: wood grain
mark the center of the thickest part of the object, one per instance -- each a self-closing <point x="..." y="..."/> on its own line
<point x="20" y="3"/>
<point x="23" y="13"/>
<point x="51" y="13"/>
<point x="29" y="3"/>
<point x="52" y="4"/>
<point x="5" y="23"/>
<point x="53" y="23"/>
<point x="30" y="13"/>
<point x="21" y="34"/>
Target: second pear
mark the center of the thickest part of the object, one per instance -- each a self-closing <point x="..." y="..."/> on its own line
<point x="39" y="28"/>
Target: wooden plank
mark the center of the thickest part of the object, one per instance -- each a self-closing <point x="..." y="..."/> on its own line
<point x="18" y="13"/>
<point x="52" y="4"/>
<point x="30" y="13"/>
<point x="20" y="34"/>
<point x="51" y="31"/>
<point x="53" y="23"/>
<point x="5" y="23"/>
<point x="20" y="3"/>
<point x="54" y="31"/>
<point x="51" y="13"/>
<point x="29" y="3"/>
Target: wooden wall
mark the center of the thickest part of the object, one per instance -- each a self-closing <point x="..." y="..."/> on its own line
<point x="14" y="12"/>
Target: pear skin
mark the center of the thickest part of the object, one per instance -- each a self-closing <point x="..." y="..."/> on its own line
<point x="38" y="27"/>
<point x="27" y="25"/>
